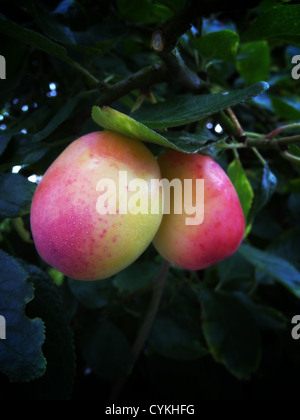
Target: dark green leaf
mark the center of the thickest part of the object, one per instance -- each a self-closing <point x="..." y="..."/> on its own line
<point x="287" y="246"/>
<point x="276" y="267"/>
<point x="16" y="194"/>
<point x="48" y="24"/>
<point x="263" y="191"/>
<point x="136" y="276"/>
<point x="230" y="332"/>
<point x="176" y="340"/>
<point x="255" y="62"/>
<point x="286" y="108"/>
<point x="15" y="55"/>
<point x="235" y="267"/>
<point x="4" y="140"/>
<point x="220" y="45"/>
<point x="143" y="10"/>
<point x="105" y="350"/>
<point x="280" y="22"/>
<point x="198" y="141"/>
<point x="93" y="295"/>
<point x="30" y="37"/>
<point x="63" y="114"/>
<point x="242" y="185"/>
<point x="185" y="109"/>
<point x="22" y="150"/>
<point x="267" y="318"/>
<point x="21" y="357"/>
<point x="294" y="150"/>
<point x="57" y="383"/>
<point x="292" y="186"/>
<point x="110" y="119"/>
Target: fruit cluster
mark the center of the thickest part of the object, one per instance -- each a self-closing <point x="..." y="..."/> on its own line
<point x="72" y="235"/>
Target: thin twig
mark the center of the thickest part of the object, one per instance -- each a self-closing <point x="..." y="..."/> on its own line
<point x="259" y="156"/>
<point x="158" y="287"/>
<point x="238" y="128"/>
<point x="140" y="80"/>
<point x="290" y="157"/>
<point x="267" y="143"/>
<point x="282" y="128"/>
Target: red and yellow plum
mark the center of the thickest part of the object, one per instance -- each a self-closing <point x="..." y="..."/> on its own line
<point x="68" y="231"/>
<point x="196" y="247"/>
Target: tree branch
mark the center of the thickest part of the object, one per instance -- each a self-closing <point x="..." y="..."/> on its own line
<point x="158" y="287"/>
<point x="181" y="22"/>
<point x="274" y="143"/>
<point x="165" y="39"/>
<point x="179" y="70"/>
<point x="142" y="79"/>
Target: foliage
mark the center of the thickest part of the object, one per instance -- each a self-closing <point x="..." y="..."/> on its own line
<point x="227" y="90"/>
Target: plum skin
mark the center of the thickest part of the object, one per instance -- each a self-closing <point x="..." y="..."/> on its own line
<point x="195" y="247"/>
<point x="68" y="232"/>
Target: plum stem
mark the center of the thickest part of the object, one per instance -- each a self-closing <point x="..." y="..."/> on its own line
<point x="259" y="156"/>
<point x="292" y="158"/>
<point x="158" y="288"/>
<point x="282" y="128"/>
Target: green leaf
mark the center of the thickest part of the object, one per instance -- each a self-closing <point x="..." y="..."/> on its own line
<point x="110" y="119"/>
<point x="276" y="267"/>
<point x="230" y="332"/>
<point x="200" y="140"/>
<point x="267" y="318"/>
<point x="264" y="190"/>
<point x="105" y="350"/>
<point x="287" y="246"/>
<point x="294" y="150"/>
<point x="48" y="24"/>
<point x="281" y="23"/>
<point x="94" y="294"/>
<point x="21" y="357"/>
<point x="235" y="268"/>
<point x="57" y="276"/>
<point x="58" y="348"/>
<point x="15" y="55"/>
<point x="176" y="340"/>
<point x="220" y="45"/>
<point x="16" y="194"/>
<point x="286" y="108"/>
<point x="242" y="185"/>
<point x="184" y="109"/>
<point x="24" y="151"/>
<point x="63" y="114"/>
<point x="136" y="276"/>
<point x="30" y="37"/>
<point x="4" y="140"/>
<point x="143" y="11"/>
<point x="292" y="186"/>
<point x="255" y="64"/>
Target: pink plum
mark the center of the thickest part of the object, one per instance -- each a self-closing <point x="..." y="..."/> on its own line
<point x="196" y="247"/>
<point x="69" y="232"/>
